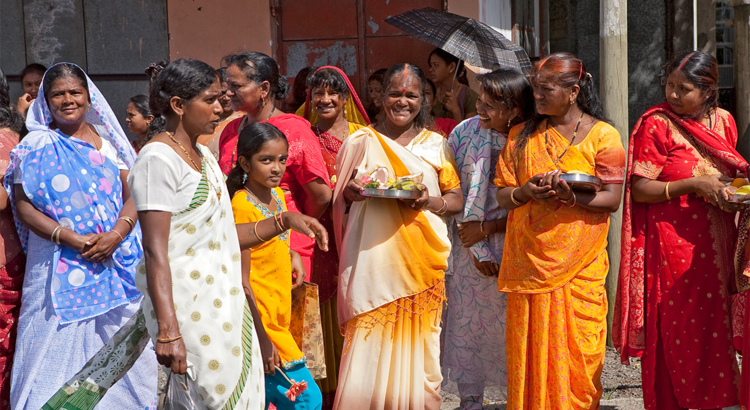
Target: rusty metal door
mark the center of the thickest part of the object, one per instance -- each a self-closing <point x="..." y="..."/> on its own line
<point x="349" y="34"/>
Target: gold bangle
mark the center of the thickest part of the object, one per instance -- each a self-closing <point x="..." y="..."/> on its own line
<point x="255" y="229"/>
<point x="443" y="208"/>
<point x="666" y="191"/>
<point x="129" y="220"/>
<point x="57" y="238"/>
<point x="573" y="198"/>
<point x="168" y="339"/>
<point x="54" y="233"/>
<point x="513" y="199"/>
<point x="276" y="218"/>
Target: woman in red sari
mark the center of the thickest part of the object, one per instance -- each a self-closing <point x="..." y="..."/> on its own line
<point x="253" y="83"/>
<point x="12" y="258"/>
<point x="335" y="111"/>
<point x="678" y="237"/>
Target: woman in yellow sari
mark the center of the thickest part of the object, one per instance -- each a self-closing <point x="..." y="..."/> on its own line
<point x="555" y="259"/>
<point x="335" y="112"/>
<point x="393" y="254"/>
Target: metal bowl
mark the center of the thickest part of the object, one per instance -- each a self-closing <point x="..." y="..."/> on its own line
<point x="390" y="193"/>
<point x="582" y="182"/>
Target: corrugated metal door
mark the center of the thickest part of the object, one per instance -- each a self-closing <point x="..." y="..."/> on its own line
<point x="349" y="34"/>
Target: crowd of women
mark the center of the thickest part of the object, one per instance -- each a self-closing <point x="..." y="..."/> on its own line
<point x="184" y="247"/>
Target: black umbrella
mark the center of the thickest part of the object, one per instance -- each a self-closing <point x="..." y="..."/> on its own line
<point x="471" y="41"/>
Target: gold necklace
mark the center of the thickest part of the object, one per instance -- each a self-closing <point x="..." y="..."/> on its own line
<point x="575" y="132"/>
<point x="195" y="166"/>
<point x="268" y="207"/>
<point x="93" y="138"/>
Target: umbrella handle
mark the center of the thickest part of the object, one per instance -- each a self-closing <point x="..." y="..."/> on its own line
<point x="455" y="73"/>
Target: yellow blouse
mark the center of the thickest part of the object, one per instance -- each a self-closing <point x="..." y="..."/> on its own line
<point x="271" y="276"/>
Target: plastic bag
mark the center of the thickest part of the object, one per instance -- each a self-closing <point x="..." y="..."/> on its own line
<point x="181" y="395"/>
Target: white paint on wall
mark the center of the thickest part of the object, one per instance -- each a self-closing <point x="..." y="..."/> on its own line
<point x="373" y="25"/>
<point x="339" y="54"/>
<point x="44" y="46"/>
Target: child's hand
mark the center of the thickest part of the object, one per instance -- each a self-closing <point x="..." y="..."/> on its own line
<point x="298" y="269"/>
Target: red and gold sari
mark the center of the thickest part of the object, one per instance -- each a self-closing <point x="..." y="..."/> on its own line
<point x="12" y="266"/>
<point x="553" y="270"/>
<point x="326" y="263"/>
<point x="673" y="304"/>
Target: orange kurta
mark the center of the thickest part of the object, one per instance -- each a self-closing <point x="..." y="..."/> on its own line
<point x="553" y="269"/>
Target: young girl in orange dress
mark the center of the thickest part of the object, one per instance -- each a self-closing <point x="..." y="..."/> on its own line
<point x="254" y="184"/>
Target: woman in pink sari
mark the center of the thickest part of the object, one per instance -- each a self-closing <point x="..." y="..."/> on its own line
<point x="678" y="237"/>
<point x="253" y="83"/>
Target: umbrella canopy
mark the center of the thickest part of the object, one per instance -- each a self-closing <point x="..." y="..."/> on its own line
<point x="471" y="41"/>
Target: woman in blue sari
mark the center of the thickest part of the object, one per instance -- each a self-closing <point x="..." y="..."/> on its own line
<point x="77" y="223"/>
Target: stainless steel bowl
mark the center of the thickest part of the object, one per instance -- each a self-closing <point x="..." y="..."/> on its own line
<point x="582" y="182"/>
<point x="390" y="193"/>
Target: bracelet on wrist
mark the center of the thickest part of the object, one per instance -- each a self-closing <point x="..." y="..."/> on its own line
<point x="168" y="339"/>
<point x="567" y="201"/>
<point x="122" y="239"/>
<point x="513" y="198"/>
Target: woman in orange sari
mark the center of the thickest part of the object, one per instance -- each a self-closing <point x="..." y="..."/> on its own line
<point x="335" y="112"/>
<point x="393" y="255"/>
<point x="555" y="259"/>
<point x="673" y="304"/>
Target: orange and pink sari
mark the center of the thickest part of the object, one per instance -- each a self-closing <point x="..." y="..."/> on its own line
<point x="674" y="306"/>
<point x="553" y="271"/>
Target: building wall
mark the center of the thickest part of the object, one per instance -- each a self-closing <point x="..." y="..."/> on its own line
<point x="210" y="29"/>
<point x="112" y="41"/>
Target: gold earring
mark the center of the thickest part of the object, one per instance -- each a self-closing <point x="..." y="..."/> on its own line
<point x="509" y="122"/>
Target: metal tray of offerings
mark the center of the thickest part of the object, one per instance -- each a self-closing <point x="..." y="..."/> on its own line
<point x="390" y="193"/>
<point x="582" y="182"/>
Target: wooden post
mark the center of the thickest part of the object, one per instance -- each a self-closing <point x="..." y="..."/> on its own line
<point x="613" y="80"/>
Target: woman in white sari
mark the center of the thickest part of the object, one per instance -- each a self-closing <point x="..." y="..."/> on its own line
<point x="195" y="309"/>
<point x="393" y="255"/>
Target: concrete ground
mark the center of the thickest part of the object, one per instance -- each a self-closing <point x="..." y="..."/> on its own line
<point x="451" y="402"/>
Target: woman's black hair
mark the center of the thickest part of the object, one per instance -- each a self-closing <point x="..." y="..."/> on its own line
<point x="450" y="58"/>
<point x="299" y="89"/>
<point x="141" y="104"/>
<point x="377" y="76"/>
<point x="327" y="77"/>
<point x="184" y="78"/>
<point x="33" y="68"/>
<point x="9" y="117"/>
<point x="423" y="118"/>
<point x="258" y="68"/>
<point x="568" y="70"/>
<point x="702" y="70"/>
<point x="432" y="86"/>
<point x="64" y="70"/>
<point x="222" y="73"/>
<point x="510" y="88"/>
<point x="250" y="142"/>
<point x="372" y="110"/>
